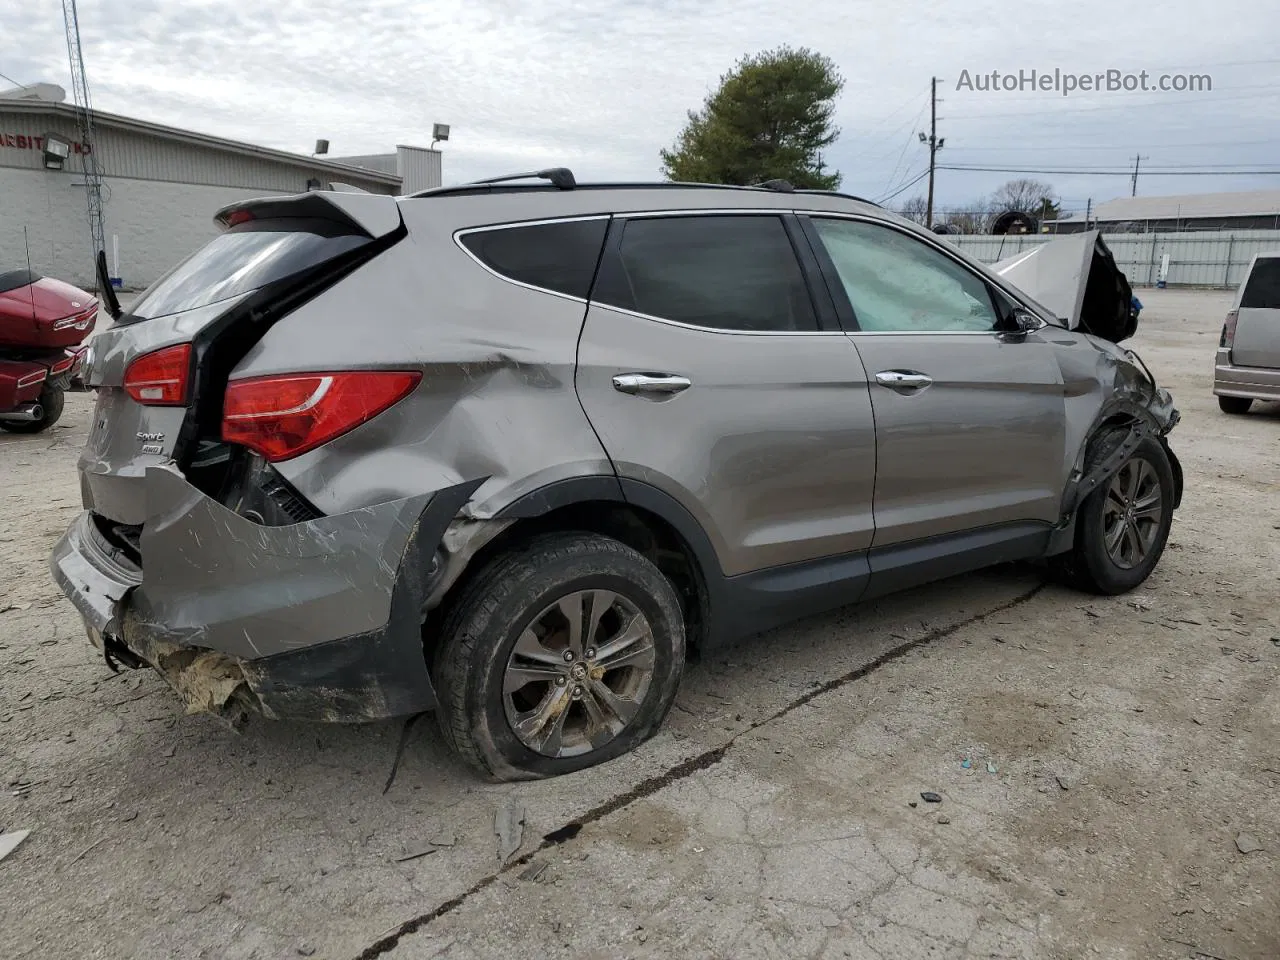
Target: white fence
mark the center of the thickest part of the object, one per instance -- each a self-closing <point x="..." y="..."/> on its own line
<point x="1196" y="259"/>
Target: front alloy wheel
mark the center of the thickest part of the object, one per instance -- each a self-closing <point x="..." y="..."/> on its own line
<point x="1132" y="513"/>
<point x="1123" y="525"/>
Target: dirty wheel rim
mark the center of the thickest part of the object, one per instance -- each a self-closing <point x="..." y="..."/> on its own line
<point x="578" y="673"/>
<point x="1132" y="513"/>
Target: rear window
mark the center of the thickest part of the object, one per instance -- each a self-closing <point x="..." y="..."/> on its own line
<point x="244" y="258"/>
<point x="1262" y="290"/>
<point x="560" y="257"/>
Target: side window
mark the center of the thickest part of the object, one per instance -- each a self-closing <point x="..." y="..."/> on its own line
<point x="1262" y="289"/>
<point x="897" y="283"/>
<point x="554" y="256"/>
<point x="724" y="272"/>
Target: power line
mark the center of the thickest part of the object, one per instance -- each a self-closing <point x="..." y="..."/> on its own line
<point x="1181" y="102"/>
<point x="902" y="155"/>
<point x="1099" y="172"/>
<point x="11" y="80"/>
<point x="1056" y="148"/>
<point x="905" y="187"/>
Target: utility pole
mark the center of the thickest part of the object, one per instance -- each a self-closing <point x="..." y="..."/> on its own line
<point x="934" y="143"/>
<point x="1137" y="162"/>
<point x="89" y="141"/>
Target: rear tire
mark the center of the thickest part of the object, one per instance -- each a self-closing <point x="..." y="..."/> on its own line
<point x="1234" y="405"/>
<point x="512" y="704"/>
<point x="1123" y="525"/>
<point x="51" y="400"/>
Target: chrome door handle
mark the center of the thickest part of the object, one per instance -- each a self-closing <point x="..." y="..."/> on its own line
<point x="641" y="383"/>
<point x="902" y="380"/>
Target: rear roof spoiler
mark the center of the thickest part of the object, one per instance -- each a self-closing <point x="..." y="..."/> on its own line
<point x="374" y="214"/>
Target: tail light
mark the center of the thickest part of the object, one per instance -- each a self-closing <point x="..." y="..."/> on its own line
<point x="160" y="378"/>
<point x="1229" y="330"/>
<point x="81" y="321"/>
<point x="284" y="416"/>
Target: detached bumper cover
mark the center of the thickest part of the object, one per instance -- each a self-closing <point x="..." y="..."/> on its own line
<point x="314" y="621"/>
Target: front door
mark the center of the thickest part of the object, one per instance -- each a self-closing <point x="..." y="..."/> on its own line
<point x="703" y="369"/>
<point x="970" y="421"/>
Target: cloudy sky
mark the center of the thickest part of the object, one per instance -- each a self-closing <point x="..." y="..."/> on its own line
<point x="601" y="85"/>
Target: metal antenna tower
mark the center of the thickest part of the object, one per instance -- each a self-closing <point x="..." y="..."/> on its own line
<point x="88" y="139"/>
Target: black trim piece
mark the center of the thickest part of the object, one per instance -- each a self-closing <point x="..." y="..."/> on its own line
<point x="373" y="675"/>
<point x="563" y="493"/>
<point x="1175" y="465"/>
<point x="764" y="599"/>
<point x="831" y="276"/>
<point x="902" y="566"/>
<point x="824" y="308"/>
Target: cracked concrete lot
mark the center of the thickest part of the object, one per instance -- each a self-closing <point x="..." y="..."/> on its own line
<point x="1103" y="767"/>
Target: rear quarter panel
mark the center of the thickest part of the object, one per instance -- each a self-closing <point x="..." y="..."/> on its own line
<point x="497" y="397"/>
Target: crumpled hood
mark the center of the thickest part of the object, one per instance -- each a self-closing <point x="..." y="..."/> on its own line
<point x="1076" y="276"/>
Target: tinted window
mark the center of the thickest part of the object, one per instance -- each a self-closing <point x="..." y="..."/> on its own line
<point x="244" y="258"/>
<point x="1263" y="288"/>
<point x="555" y="256"/>
<point x="898" y="283"/>
<point x="731" y="273"/>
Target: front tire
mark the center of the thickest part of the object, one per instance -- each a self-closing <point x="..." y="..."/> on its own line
<point x="560" y="654"/>
<point x="51" y="402"/>
<point x="1123" y="525"/>
<point x="1235" y="405"/>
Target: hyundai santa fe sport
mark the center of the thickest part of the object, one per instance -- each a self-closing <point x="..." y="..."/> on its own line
<point x="507" y="451"/>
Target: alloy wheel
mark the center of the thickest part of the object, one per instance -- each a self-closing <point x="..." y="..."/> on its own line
<point x="1132" y="513"/>
<point x="578" y="673"/>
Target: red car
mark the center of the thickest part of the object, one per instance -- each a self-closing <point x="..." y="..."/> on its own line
<point x="43" y="324"/>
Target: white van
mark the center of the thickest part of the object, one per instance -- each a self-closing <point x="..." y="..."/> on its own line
<point x="1248" y="364"/>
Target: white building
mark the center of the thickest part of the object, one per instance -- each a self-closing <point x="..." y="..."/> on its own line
<point x="161" y="185"/>
<point x="1247" y="210"/>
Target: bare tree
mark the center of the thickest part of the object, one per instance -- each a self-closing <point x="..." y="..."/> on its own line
<point x="1027" y="196"/>
<point x="975" y="220"/>
<point x="916" y="210"/>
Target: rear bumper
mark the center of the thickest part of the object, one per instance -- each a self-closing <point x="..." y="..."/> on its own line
<point x="315" y="621"/>
<point x="1255" y="383"/>
<point x="22" y="381"/>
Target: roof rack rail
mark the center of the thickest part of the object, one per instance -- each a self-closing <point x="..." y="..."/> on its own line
<point x="561" y="177"/>
<point x="837" y="193"/>
<point x="782" y="186"/>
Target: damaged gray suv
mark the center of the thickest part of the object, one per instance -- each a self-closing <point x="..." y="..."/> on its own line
<point x="506" y="451"/>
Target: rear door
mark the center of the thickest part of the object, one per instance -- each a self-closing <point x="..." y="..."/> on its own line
<point x="1257" y="340"/>
<point x="970" y="421"/>
<point x="705" y="372"/>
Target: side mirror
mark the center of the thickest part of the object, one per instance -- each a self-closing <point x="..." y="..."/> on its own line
<point x="1018" y="324"/>
<point x="1025" y="321"/>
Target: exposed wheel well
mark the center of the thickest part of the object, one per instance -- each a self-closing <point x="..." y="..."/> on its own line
<point x="642" y="530"/>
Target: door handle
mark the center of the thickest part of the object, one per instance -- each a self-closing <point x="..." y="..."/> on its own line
<point x="903" y="381"/>
<point x="650" y="383"/>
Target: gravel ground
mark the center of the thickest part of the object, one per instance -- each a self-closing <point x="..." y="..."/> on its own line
<point x="1121" y="796"/>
